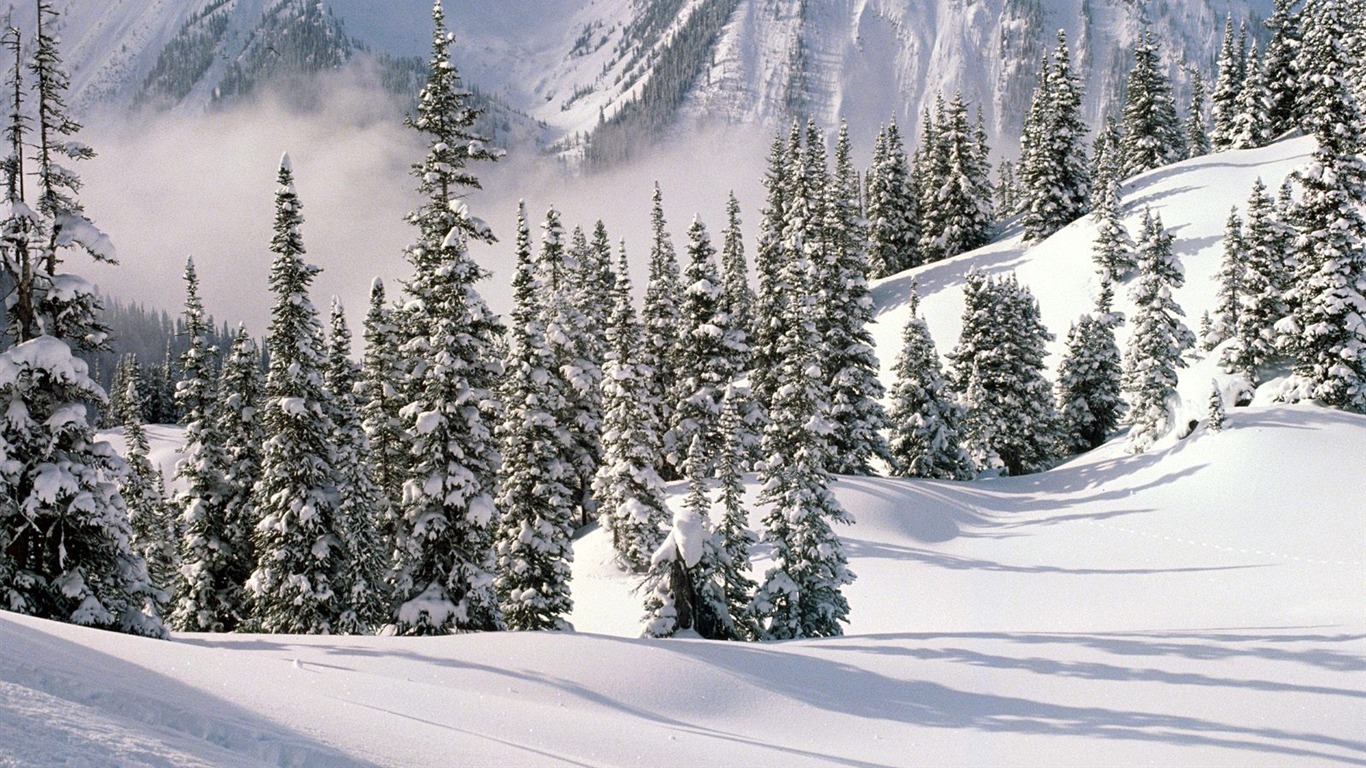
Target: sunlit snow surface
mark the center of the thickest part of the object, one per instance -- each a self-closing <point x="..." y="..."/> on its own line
<point x="1202" y="604"/>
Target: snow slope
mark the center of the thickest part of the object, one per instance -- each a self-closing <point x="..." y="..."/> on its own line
<point x="1199" y="605"/>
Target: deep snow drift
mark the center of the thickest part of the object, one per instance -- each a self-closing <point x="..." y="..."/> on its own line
<point x="1198" y="604"/>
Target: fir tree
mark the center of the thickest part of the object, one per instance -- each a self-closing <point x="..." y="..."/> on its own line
<point x="1330" y="251"/>
<point x="661" y="319"/>
<point x="1280" y="67"/>
<point x="1197" y="137"/>
<point x="732" y="530"/>
<point x="1260" y="285"/>
<point x="1224" y="321"/>
<point x="893" y="232"/>
<point x="534" y="552"/>
<point x="443" y="579"/>
<point x="770" y="303"/>
<point x="858" y="420"/>
<point x="1089" y="394"/>
<point x="1055" y="182"/>
<point x="925" y="417"/>
<point x="737" y="298"/>
<point x="155" y="533"/>
<point x="64" y="532"/>
<point x="703" y="367"/>
<point x="1113" y="250"/>
<point x="1227" y="88"/>
<point x="685" y="594"/>
<point x="957" y="217"/>
<point x="1151" y="129"/>
<point x="1158" y="339"/>
<point x="1216" y="407"/>
<point x="629" y="490"/>
<point x="365" y="595"/>
<point x="1006" y="196"/>
<point x="300" y="554"/>
<point x="379" y="397"/>
<point x="1252" y="125"/>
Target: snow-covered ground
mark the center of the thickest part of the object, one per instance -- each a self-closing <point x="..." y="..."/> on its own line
<point x="1201" y="604"/>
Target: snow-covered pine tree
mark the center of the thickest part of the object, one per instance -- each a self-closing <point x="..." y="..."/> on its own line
<point x="536" y="496"/>
<point x="1054" y="178"/>
<point x="925" y="417"/>
<point x="737" y="298"/>
<point x="1158" y="338"/>
<point x="1216" y="414"/>
<point x="379" y="397"/>
<point x="155" y="533"/>
<point x="685" y="594"/>
<point x="1280" y="68"/>
<point x="661" y="318"/>
<point x="732" y="530"/>
<point x="857" y="418"/>
<point x="1090" y="400"/>
<point x="364" y="591"/>
<point x="1224" y="320"/>
<point x="771" y="297"/>
<point x="998" y="367"/>
<point x="1151" y="130"/>
<point x="1227" y="87"/>
<point x="300" y="555"/>
<point x="801" y="594"/>
<point x="629" y="491"/>
<point x="443" y="579"/>
<point x="703" y="367"/>
<point x="1113" y="250"/>
<point x="1330" y="251"/>
<point x="1252" y="125"/>
<point x="957" y="217"/>
<point x="1197" y="135"/>
<point x="1006" y="195"/>
<point x="1261" y="287"/>
<point x="893" y="228"/>
<point x="64" y="532"/>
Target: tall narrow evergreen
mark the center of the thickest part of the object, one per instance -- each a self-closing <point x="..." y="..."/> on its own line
<point x="238" y="424"/>
<point x="443" y="580"/>
<point x="1113" y="250"/>
<point x="1252" y="125"/>
<point x="1224" y="321"/>
<point x="379" y="396"/>
<point x="1227" y="88"/>
<point x="365" y="597"/>
<point x="1151" y="129"/>
<point x="703" y="366"/>
<point x="732" y="529"/>
<point x="629" y="490"/>
<point x="957" y="215"/>
<point x="1158" y="338"/>
<point x="773" y="294"/>
<point x="893" y="234"/>
<point x="1261" y="287"/>
<point x="661" y="319"/>
<point x="1089" y="394"/>
<point x="300" y="555"/>
<point x="737" y="297"/>
<point x="534" y="553"/>
<point x="1054" y="177"/>
<point x="925" y="417"/>
<point x="1197" y="136"/>
<point x="155" y="533"/>
<point x="1280" y="67"/>
<point x="857" y="418"/>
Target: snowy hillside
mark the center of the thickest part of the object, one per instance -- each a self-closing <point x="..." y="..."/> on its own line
<point x="1198" y="605"/>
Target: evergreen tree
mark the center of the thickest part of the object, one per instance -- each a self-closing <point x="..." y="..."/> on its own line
<point x="534" y="552"/>
<point x="1224" y="321"/>
<point x="1055" y="182"/>
<point x="629" y="490"/>
<point x="858" y="420"/>
<point x="732" y="530"/>
<point x="662" y="318"/>
<point x="1261" y="285"/>
<point x="1280" y="68"/>
<point x="1113" y="250"/>
<point x="893" y="232"/>
<point x="703" y="367"/>
<point x="1158" y="339"/>
<point x="1197" y="137"/>
<point x="685" y="594"/>
<point x="737" y="298"/>
<point x="1089" y="396"/>
<point x="1252" y="125"/>
<point x="300" y="554"/>
<point x="379" y="396"/>
<point x="770" y="302"/>
<point x="443" y="579"/>
<point x="998" y="367"/>
<point x="65" y="549"/>
<point x="957" y="217"/>
<point x="1330" y="251"/>
<point x="801" y="594"/>
<point x="1227" y="88"/>
<point x="1007" y="195"/>
<point x="365" y="595"/>
<point x="153" y="522"/>
<point x="925" y="416"/>
<point x="1216" y="408"/>
<point x="1151" y="130"/>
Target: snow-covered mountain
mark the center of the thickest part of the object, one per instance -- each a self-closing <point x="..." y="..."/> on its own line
<point x="627" y="68"/>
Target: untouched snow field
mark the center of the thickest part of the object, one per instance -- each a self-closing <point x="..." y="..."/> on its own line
<point x="1201" y="604"/>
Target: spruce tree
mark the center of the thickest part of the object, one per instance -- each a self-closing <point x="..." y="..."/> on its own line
<point x="1158" y="338"/>
<point x="365" y="599"/>
<point x="893" y="232"/>
<point x="1280" y="67"/>
<point x="737" y="298"/>
<point x="957" y="215"/>
<point x="772" y="295"/>
<point x="684" y="592"/>
<point x="703" y="366"/>
<point x="1216" y="413"/>
<point x="1054" y="178"/>
<point x="1227" y="88"/>
<point x="858" y="420"/>
<point x="155" y="533"/>
<point x="536" y="497"/>
<point x="925" y="416"/>
<point x="443" y="579"/>
<point x="661" y="319"/>
<point x="1089" y="394"/>
<point x="1151" y="129"/>
<point x="732" y="530"/>
<point x="1113" y="250"/>
<point x="1224" y="320"/>
<point x="629" y="490"/>
<point x="1261" y="286"/>
<point x="1329" y="332"/>
<point x="379" y="396"/>
<point x="1252" y="125"/>
<point x="1197" y="137"/>
<point x="300" y="554"/>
